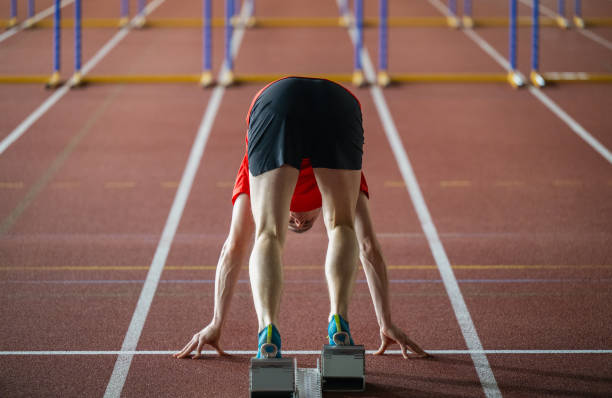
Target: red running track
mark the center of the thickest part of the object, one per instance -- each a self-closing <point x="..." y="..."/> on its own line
<point x="521" y="205"/>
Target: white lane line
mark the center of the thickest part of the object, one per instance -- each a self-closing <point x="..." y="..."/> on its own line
<point x="536" y="92"/>
<point x="59" y="93"/>
<point x="587" y="33"/>
<point x="577" y="128"/>
<point x="311" y="352"/>
<point x="130" y="342"/>
<point x="41" y="15"/>
<point x="481" y="363"/>
<point x="596" y="38"/>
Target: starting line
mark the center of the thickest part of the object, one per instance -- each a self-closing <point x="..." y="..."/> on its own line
<point x="311" y="352"/>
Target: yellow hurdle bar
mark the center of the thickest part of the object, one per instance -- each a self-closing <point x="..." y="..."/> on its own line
<point x="577" y="77"/>
<point x="141" y="79"/>
<point x="266" y="78"/>
<point x="24" y="79"/>
<point x="449" y="78"/>
<point x="553" y="77"/>
<point x="597" y="21"/>
<point x="118" y="22"/>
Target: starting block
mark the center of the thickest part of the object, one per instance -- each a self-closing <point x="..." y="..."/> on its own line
<point x="273" y="377"/>
<point x="341" y="368"/>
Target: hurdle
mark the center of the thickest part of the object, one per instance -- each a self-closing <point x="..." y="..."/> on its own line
<point x="467" y="20"/>
<point x="54" y="80"/>
<point x="358" y="76"/>
<point x="140" y="21"/>
<point x="206" y="79"/>
<point x="513" y="77"/>
<point x="539" y="79"/>
<point x="535" y="77"/>
<point x="13" y="18"/>
<point x="452" y="19"/>
<point x="78" y="45"/>
<point x="228" y="77"/>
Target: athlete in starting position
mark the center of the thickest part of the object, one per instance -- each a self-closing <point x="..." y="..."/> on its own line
<point x="304" y="154"/>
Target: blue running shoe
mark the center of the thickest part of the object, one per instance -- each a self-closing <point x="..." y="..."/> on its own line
<point x="338" y="331"/>
<point x="269" y="343"/>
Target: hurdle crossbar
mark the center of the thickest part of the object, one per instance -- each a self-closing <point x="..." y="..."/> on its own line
<point x="449" y="78"/>
<point x="577" y="77"/>
<point x="24" y="79"/>
<point x="263" y="22"/>
<point x="397" y="78"/>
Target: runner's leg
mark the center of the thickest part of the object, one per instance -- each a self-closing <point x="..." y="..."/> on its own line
<point x="270" y="199"/>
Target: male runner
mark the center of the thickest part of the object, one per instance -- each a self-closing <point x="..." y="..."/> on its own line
<point x="307" y="132"/>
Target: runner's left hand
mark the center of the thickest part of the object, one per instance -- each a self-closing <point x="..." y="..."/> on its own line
<point x="393" y="334"/>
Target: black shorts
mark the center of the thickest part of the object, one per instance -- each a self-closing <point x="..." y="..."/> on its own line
<point x="298" y="118"/>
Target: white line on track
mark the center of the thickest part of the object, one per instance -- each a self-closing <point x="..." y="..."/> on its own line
<point x="479" y="358"/>
<point x="41" y="15"/>
<point x="536" y="92"/>
<point x="60" y="92"/>
<point x="312" y="352"/>
<point x="130" y="342"/>
<point x="587" y="33"/>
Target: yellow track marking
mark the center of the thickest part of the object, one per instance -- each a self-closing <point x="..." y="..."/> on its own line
<point x="455" y="183"/>
<point x="225" y="184"/>
<point x="169" y="184"/>
<point x="11" y="185"/>
<point x="65" y="184"/>
<point x="509" y="183"/>
<point x="567" y="183"/>
<point x="395" y="184"/>
<point x="119" y="185"/>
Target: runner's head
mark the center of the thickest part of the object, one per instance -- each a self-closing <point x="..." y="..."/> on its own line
<point x="302" y="221"/>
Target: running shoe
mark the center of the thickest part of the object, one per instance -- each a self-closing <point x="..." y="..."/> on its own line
<point x="269" y="343"/>
<point x="338" y="331"/>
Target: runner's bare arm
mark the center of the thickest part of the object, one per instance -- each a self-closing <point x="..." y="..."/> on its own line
<point x="233" y="255"/>
<point x="375" y="268"/>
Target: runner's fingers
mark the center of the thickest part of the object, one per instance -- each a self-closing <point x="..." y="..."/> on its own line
<point x="188" y="348"/>
<point x="218" y="349"/>
<point x="198" y="353"/>
<point x="383" y="346"/>
<point x="180" y="353"/>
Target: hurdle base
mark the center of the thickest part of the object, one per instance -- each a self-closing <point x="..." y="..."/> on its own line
<point x="453" y="22"/>
<point x="536" y="79"/>
<point x="515" y="80"/>
<point x="140" y="21"/>
<point x="123" y="22"/>
<point x="28" y="23"/>
<point x="11" y="23"/>
<point x="343" y="368"/>
<point x="358" y="78"/>
<point x="206" y="79"/>
<point x="345" y="21"/>
<point x="562" y="22"/>
<point x="467" y="22"/>
<point x="578" y="22"/>
<point x="383" y="78"/>
<point x="227" y="78"/>
<point x="54" y="81"/>
<point x="76" y="80"/>
<point x="272" y="377"/>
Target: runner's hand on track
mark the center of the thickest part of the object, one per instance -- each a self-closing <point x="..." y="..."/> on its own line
<point x="393" y="334"/>
<point x="209" y="335"/>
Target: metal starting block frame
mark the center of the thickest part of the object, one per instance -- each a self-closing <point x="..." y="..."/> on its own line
<point x="342" y="368"/>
